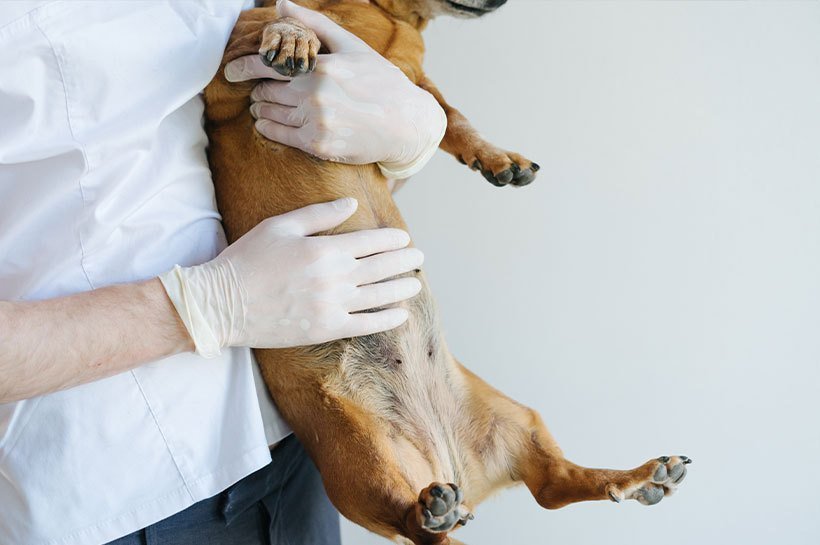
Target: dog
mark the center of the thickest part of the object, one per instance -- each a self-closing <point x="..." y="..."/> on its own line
<point x="408" y="441"/>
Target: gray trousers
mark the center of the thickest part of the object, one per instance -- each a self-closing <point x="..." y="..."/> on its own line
<point x="284" y="503"/>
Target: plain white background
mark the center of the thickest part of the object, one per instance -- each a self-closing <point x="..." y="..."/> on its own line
<point x="657" y="289"/>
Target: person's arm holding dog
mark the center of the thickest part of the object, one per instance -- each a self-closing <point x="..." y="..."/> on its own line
<point x="356" y="107"/>
<point x="275" y="287"/>
<point x="355" y="97"/>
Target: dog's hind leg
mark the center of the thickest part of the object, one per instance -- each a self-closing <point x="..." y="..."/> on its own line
<point x="362" y="475"/>
<point x="556" y="482"/>
<point x="512" y="437"/>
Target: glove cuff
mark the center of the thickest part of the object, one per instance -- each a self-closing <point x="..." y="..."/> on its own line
<point x="402" y="170"/>
<point x="182" y="296"/>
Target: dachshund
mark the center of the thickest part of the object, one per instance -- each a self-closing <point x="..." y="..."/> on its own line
<point x="408" y="441"/>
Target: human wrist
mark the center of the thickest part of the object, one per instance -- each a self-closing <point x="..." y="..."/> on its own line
<point x="176" y="335"/>
<point x="207" y="299"/>
<point x="429" y="128"/>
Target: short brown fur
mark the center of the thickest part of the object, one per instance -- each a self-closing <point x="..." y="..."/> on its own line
<point x="384" y="416"/>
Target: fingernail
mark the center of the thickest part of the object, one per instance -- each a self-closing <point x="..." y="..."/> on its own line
<point x="403" y="315"/>
<point x="345" y="204"/>
<point x="418" y="257"/>
<point x="260" y="125"/>
<point x="255" y="110"/>
<point x="234" y="70"/>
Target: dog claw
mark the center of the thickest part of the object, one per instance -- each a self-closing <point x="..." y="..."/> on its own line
<point x="267" y="59"/>
<point x="614" y="498"/>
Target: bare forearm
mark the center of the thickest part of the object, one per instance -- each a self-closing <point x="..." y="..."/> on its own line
<point x="57" y="343"/>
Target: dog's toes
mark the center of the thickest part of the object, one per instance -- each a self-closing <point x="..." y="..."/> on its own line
<point x="289" y="48"/>
<point x="268" y="56"/>
<point x="525" y="176"/>
<point x="440" y="508"/>
<point x="505" y="176"/>
<point x="498" y="179"/>
<point x="501" y="168"/>
<point x="649" y="494"/>
<point x="301" y="66"/>
<point x="652" y="481"/>
<point x="487" y="173"/>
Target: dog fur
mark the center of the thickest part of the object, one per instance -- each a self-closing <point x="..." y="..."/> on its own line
<point x="408" y="441"/>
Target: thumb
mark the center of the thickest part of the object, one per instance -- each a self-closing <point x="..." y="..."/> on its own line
<point x="318" y="217"/>
<point x="334" y="37"/>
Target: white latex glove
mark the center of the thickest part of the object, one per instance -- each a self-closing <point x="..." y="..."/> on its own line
<point x="356" y="107"/>
<point x="278" y="287"/>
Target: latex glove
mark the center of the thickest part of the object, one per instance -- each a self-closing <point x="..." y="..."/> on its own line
<point x="278" y="287"/>
<point x="356" y="107"/>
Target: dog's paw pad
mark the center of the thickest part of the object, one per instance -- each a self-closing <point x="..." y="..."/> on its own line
<point x="440" y="508"/>
<point x="502" y="168"/>
<point x="656" y="479"/>
<point x="289" y="47"/>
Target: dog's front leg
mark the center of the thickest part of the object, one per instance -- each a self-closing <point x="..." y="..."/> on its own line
<point x="283" y="43"/>
<point x="498" y="166"/>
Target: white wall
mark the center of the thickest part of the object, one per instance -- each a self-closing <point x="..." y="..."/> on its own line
<point x="657" y="289"/>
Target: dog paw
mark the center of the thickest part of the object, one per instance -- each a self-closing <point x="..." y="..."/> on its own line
<point x="289" y="47"/>
<point x="439" y="508"/>
<point x="653" y="480"/>
<point x="501" y="167"/>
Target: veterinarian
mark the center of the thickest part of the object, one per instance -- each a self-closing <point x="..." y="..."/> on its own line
<point x="129" y="410"/>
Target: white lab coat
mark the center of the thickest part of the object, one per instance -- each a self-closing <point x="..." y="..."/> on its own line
<point x="104" y="179"/>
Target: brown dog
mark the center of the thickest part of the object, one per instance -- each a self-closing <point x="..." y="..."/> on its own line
<point x="408" y="441"/>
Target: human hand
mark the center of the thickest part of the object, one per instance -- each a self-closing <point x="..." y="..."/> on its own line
<point x="279" y="287"/>
<point x="355" y="107"/>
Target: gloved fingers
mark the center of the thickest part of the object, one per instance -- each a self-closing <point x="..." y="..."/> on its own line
<point x="278" y="92"/>
<point x="369" y="241"/>
<point x="384" y="293"/>
<point x="284" y="115"/>
<point x="385" y="265"/>
<point x="334" y="37"/>
<point x="375" y="322"/>
<point x="315" y="217"/>
<point x="284" y="134"/>
<point x="250" y="67"/>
